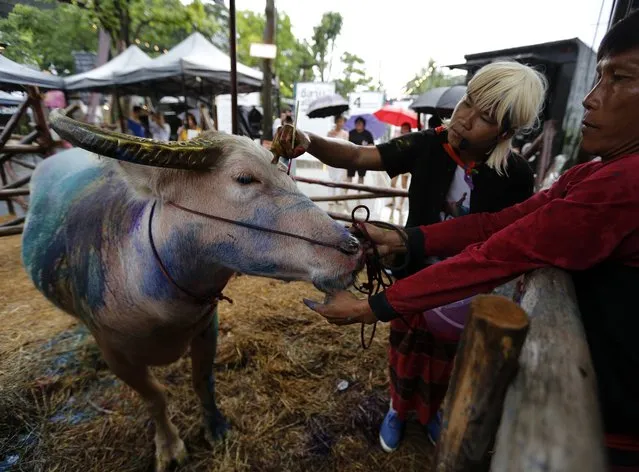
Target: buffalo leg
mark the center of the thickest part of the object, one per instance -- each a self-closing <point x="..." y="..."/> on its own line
<point x="168" y="445"/>
<point x="203" y="348"/>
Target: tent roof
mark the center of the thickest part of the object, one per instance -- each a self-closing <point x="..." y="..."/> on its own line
<point x="204" y="68"/>
<point x="103" y="76"/>
<point x="13" y="76"/>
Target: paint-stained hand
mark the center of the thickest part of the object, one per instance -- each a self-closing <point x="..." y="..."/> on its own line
<point x="343" y="308"/>
<point x="283" y="145"/>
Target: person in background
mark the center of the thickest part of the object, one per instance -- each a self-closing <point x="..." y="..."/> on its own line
<point x="160" y="129"/>
<point x="134" y="124"/>
<point x="362" y="137"/>
<point x="586" y="223"/>
<point x="277" y="122"/>
<point x="463" y="167"/>
<point x="404" y="129"/>
<point x="190" y="129"/>
<point x="335" y="173"/>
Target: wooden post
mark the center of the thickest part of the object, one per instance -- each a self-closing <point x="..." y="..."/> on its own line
<point x="3" y="179"/>
<point x="486" y="362"/>
<point x="551" y="419"/>
<point x="233" y="44"/>
<point x="13" y="192"/>
<point x="267" y="85"/>
<point x="46" y="141"/>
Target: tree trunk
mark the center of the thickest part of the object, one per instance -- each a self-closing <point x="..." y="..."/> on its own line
<point x="485" y="363"/>
<point x="551" y="421"/>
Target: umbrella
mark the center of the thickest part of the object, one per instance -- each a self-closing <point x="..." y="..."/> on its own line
<point x="327" y="105"/>
<point x="439" y="101"/>
<point x="376" y="127"/>
<point x="396" y="116"/>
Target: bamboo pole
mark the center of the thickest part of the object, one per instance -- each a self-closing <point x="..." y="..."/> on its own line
<point x="485" y="363"/>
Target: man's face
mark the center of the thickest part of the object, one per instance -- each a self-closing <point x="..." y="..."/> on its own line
<point x="359" y="126"/>
<point x="610" y="126"/>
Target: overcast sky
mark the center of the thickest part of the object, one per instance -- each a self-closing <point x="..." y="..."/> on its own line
<point x="396" y="38"/>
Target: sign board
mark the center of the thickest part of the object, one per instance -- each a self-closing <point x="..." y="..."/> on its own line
<point x="361" y="103"/>
<point x="305" y="94"/>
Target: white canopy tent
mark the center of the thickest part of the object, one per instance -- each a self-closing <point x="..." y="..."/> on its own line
<point x="14" y="76"/>
<point x="193" y="67"/>
<point x="103" y="78"/>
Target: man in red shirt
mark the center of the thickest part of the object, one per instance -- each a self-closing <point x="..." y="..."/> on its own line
<point x="587" y="223"/>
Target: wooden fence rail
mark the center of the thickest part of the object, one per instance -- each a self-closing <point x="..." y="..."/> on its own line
<point x="549" y="419"/>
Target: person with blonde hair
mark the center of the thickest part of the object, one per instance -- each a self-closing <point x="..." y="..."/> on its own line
<point x="464" y="166"/>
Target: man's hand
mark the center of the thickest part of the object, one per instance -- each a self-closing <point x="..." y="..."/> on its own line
<point x="343" y="308"/>
<point x="283" y="145"/>
<point x="386" y="241"/>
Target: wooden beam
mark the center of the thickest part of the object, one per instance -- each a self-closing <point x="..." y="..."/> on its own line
<point x="9" y="230"/>
<point x="17" y="183"/>
<point x="389" y="191"/>
<point x="485" y="363"/>
<point x="13" y="222"/>
<point x="339" y="198"/>
<point x="13" y="122"/>
<point x="20" y="162"/>
<point x="28" y="139"/>
<point x="551" y="419"/>
<point x="23" y="149"/>
<point x="40" y="119"/>
<point x="14" y="192"/>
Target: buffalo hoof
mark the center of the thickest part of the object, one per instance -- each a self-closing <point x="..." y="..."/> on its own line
<point x="215" y="426"/>
<point x="169" y="456"/>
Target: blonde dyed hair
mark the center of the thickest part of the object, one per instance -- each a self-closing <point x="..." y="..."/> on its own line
<point x="513" y="94"/>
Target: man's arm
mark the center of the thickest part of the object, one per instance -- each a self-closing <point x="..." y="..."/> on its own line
<point x="450" y="237"/>
<point x="574" y="232"/>
<point x="344" y="154"/>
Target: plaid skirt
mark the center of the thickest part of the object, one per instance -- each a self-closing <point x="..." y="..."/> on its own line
<point x="421" y="354"/>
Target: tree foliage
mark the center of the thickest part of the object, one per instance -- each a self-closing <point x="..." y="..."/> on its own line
<point x="50" y="36"/>
<point x="354" y="76"/>
<point x="47" y="37"/>
<point x="324" y="36"/>
<point x="430" y="77"/>
<point x="294" y="61"/>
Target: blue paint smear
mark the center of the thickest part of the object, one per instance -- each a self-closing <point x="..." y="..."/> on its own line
<point x="77" y="204"/>
<point x="8" y="462"/>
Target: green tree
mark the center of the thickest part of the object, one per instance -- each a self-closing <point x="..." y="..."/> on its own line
<point x="324" y="36"/>
<point x="294" y="61"/>
<point x="430" y="77"/>
<point x="45" y="37"/>
<point x="354" y="76"/>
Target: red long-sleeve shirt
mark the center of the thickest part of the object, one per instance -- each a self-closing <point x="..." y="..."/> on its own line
<point x="589" y="215"/>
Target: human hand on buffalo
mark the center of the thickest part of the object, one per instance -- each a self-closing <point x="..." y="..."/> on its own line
<point x="283" y="144"/>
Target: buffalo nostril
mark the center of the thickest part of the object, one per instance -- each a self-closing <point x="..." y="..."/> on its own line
<point x="350" y="245"/>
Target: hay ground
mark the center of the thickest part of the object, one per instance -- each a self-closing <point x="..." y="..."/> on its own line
<point x="277" y="369"/>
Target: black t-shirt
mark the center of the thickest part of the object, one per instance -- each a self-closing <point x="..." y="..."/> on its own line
<point x="365" y="138"/>
<point x="432" y="172"/>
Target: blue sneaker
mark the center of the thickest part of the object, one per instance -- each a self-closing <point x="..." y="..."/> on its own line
<point x="434" y="428"/>
<point x="391" y="431"/>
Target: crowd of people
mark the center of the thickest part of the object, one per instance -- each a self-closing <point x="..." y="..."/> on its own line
<point x="475" y="223"/>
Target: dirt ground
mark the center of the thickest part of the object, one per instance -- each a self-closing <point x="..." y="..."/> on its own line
<point x="277" y="370"/>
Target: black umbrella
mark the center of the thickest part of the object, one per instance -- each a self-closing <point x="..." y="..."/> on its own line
<point x="327" y="105"/>
<point x="439" y="101"/>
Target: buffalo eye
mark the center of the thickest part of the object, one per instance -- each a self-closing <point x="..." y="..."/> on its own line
<point x="245" y="179"/>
